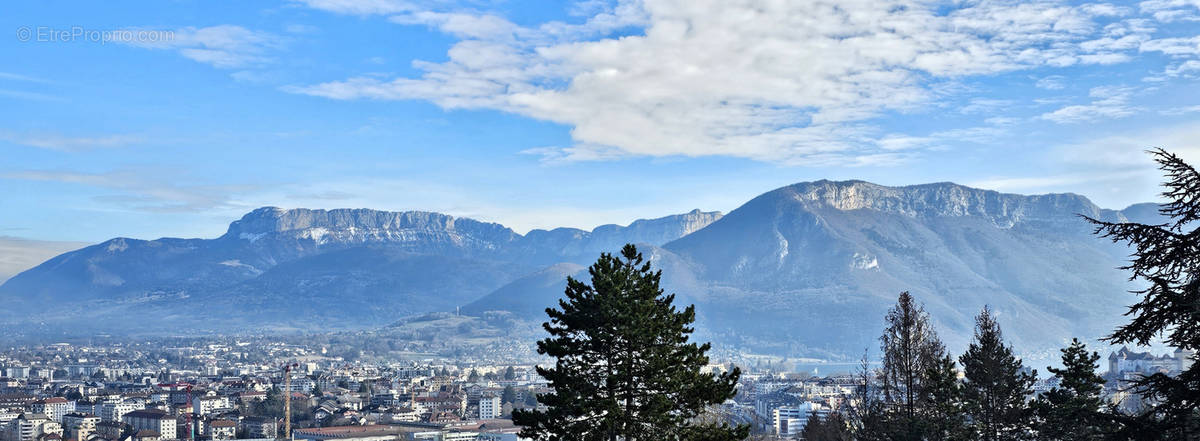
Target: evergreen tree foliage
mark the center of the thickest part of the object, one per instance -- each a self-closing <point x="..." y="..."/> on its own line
<point x="509" y="395"/>
<point x="510" y="374"/>
<point x="943" y="416"/>
<point x="830" y="428"/>
<point x="1074" y="410"/>
<point x="625" y="368"/>
<point x="911" y="353"/>
<point x="1166" y="257"/>
<point x="996" y="387"/>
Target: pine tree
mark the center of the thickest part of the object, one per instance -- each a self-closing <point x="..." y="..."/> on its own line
<point x="624" y="367"/>
<point x="510" y="374"/>
<point x="943" y="416"/>
<point x="911" y="352"/>
<point x="995" y="389"/>
<point x="1074" y="410"/>
<point x="1167" y="257"/>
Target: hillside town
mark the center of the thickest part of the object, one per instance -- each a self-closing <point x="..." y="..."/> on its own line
<point x="240" y="390"/>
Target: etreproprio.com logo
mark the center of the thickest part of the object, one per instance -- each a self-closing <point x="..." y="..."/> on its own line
<point x="49" y="34"/>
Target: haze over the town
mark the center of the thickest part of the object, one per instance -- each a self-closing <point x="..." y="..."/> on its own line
<point x="539" y="117"/>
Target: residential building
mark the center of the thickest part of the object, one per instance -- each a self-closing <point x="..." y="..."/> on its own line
<point x="31" y="427"/>
<point x="79" y="426"/>
<point x="209" y="404"/>
<point x="790" y="420"/>
<point x="114" y="411"/>
<point x="54" y="408"/>
<point x="152" y="419"/>
<point x="222" y="430"/>
<point x="489" y="407"/>
<point x="109" y="429"/>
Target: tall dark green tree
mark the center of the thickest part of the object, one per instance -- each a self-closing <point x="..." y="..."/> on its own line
<point x="911" y="353"/>
<point x="625" y="368"/>
<point x="1074" y="410"/>
<point x="1167" y="258"/>
<point x="996" y="385"/>
<point x="943" y="415"/>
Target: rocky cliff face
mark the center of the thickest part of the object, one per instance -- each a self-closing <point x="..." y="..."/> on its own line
<point x="941" y="200"/>
<point x="360" y="226"/>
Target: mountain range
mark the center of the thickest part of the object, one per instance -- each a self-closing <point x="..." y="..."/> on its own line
<point x="807" y="269"/>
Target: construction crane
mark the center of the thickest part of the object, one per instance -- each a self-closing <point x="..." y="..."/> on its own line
<point x="287" y="400"/>
<point x="188" y="416"/>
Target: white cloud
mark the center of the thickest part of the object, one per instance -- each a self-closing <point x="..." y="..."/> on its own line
<point x="361" y="7"/>
<point x="59" y="142"/>
<point x="1175" y="111"/>
<point x="1107" y="102"/>
<point x="1002" y="120"/>
<point x="9" y="76"/>
<point x="1187" y="68"/>
<point x="26" y="95"/>
<point x="1051" y="82"/>
<point x="1113" y="170"/>
<point x="223" y="46"/>
<point x="984" y="105"/>
<point x="143" y="190"/>
<point x="1176" y="47"/>
<point x="1185" y="50"/>
<point x="780" y="81"/>
<point x="1172" y="10"/>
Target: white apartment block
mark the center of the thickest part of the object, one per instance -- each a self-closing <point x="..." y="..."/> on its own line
<point x="489" y="407"/>
<point x="113" y="412"/>
<point x="54" y="408"/>
<point x="790" y="420"/>
<point x="208" y="405"/>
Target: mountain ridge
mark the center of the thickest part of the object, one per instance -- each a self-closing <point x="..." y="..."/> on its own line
<point x="415" y="261"/>
<point x="811" y="259"/>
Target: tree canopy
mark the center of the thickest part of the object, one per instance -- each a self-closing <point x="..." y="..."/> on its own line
<point x="625" y="367"/>
<point x="1166" y="257"/>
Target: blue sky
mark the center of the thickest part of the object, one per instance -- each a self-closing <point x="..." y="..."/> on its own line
<point x="539" y="114"/>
